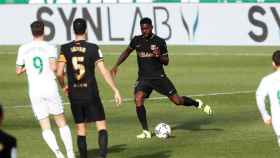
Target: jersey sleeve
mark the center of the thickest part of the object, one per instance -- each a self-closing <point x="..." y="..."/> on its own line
<point x="53" y="52"/>
<point x="99" y="55"/>
<point x="163" y="48"/>
<point x="261" y="94"/>
<point x="62" y="57"/>
<point x="20" y="59"/>
<point x="132" y="43"/>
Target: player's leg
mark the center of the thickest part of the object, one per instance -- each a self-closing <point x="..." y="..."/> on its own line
<point x="65" y="134"/>
<point x="140" y="109"/>
<point x="56" y="108"/>
<point x="95" y="113"/>
<point x="142" y="90"/>
<point x="41" y="111"/>
<point x="166" y="87"/>
<point x="81" y="139"/>
<point x="49" y="136"/>
<point x="276" y="122"/>
<point x="78" y="112"/>
<point x="102" y="138"/>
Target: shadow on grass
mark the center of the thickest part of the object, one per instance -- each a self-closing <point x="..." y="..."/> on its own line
<point x="112" y="149"/>
<point x="162" y="154"/>
<point x="195" y="125"/>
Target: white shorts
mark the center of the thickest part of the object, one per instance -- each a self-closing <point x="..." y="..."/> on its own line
<point x="43" y="106"/>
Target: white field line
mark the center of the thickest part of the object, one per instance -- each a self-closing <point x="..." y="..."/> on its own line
<point x="178" y="54"/>
<point x="157" y="98"/>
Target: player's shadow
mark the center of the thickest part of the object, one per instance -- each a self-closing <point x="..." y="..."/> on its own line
<point x="195" y="125"/>
<point x="111" y="149"/>
<point x="161" y="154"/>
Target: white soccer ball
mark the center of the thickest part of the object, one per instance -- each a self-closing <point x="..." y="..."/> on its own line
<point x="163" y="130"/>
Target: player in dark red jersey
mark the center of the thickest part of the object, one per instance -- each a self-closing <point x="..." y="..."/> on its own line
<point x="152" y="55"/>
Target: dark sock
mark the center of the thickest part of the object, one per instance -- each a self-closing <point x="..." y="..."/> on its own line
<point x="189" y="102"/>
<point x="82" y="145"/>
<point x="141" y="114"/>
<point x="103" y="143"/>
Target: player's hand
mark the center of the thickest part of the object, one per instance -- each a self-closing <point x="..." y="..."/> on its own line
<point x="267" y="121"/>
<point x="118" y="98"/>
<point x="156" y="52"/>
<point x="66" y="90"/>
<point x="114" y="71"/>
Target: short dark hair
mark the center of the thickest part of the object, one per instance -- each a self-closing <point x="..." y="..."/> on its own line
<point x="276" y="57"/>
<point x="37" y="28"/>
<point x="80" y="26"/>
<point x="146" y="20"/>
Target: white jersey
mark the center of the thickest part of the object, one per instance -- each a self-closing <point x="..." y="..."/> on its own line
<point x="43" y="90"/>
<point x="270" y="86"/>
<point x="35" y="56"/>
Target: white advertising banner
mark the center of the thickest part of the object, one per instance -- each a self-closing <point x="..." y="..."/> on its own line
<point x="180" y="24"/>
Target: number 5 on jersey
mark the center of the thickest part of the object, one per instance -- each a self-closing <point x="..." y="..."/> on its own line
<point x="79" y="67"/>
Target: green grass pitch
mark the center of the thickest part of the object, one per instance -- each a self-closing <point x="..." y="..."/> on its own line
<point x="224" y="77"/>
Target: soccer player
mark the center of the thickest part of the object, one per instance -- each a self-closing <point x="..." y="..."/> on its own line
<point x="152" y="54"/>
<point x="8" y="143"/>
<point x="81" y="58"/>
<point x="270" y="86"/>
<point x="38" y="60"/>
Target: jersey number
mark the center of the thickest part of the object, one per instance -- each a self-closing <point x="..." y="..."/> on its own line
<point x="278" y="96"/>
<point x="38" y="64"/>
<point x="79" y="67"/>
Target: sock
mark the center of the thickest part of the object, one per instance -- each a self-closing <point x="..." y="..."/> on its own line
<point x="49" y="138"/>
<point x="141" y="114"/>
<point x="66" y="137"/>
<point x="189" y="102"/>
<point x="103" y="143"/>
<point x="82" y="145"/>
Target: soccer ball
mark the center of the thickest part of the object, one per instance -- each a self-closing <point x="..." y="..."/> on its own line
<point x="162" y="130"/>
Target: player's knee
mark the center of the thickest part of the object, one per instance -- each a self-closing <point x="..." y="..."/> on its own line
<point x="81" y="130"/>
<point x="139" y="101"/>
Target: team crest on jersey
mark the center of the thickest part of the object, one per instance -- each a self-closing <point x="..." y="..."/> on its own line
<point x="153" y="47"/>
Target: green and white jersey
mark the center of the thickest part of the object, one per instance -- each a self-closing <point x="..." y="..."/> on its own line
<point x="270" y="86"/>
<point x="35" y="56"/>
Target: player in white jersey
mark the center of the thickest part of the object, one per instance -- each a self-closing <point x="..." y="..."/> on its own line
<point x="38" y="60"/>
<point x="270" y="86"/>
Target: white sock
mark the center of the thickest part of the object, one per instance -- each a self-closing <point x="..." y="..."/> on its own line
<point x="66" y="137"/>
<point x="49" y="138"/>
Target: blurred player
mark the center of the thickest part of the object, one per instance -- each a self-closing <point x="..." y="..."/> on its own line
<point x="270" y="86"/>
<point x="38" y="59"/>
<point x="8" y="143"/>
<point x="152" y="54"/>
<point x="81" y="58"/>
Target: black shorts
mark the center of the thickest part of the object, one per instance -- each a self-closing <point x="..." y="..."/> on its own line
<point x="87" y="110"/>
<point x="162" y="85"/>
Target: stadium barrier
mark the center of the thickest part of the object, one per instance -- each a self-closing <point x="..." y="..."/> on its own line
<point x="180" y="24"/>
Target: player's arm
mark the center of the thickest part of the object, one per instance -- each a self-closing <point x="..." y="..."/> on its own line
<point x="52" y="62"/>
<point x="20" y="64"/>
<point x="161" y="53"/>
<point x="52" y="58"/>
<point x="261" y="94"/>
<point x="164" y="59"/>
<point x="121" y="59"/>
<point x="20" y="70"/>
<point x="60" y="73"/>
<point x="108" y="78"/>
